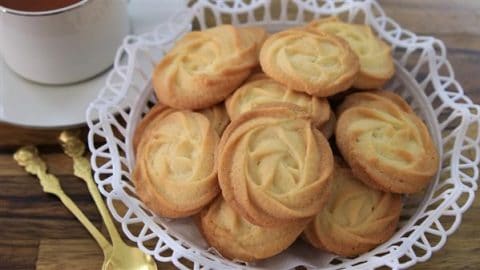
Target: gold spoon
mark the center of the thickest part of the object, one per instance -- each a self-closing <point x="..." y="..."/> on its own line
<point x="123" y="256"/>
<point x="28" y="157"/>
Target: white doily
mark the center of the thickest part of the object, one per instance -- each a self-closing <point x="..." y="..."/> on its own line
<point x="424" y="77"/>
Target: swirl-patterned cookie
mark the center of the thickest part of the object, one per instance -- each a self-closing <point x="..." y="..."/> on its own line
<point x="218" y="117"/>
<point x="205" y="67"/>
<point x="175" y="172"/>
<point x="260" y="90"/>
<point x="376" y="61"/>
<point x="237" y="239"/>
<point x="356" y="218"/>
<point x="387" y="146"/>
<point x="313" y="62"/>
<point x="274" y="166"/>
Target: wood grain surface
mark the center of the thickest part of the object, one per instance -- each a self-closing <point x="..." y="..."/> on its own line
<point x="37" y="232"/>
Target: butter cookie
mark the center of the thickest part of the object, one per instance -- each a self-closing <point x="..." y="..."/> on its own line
<point x="274" y="166"/>
<point x="259" y="90"/>
<point x="385" y="143"/>
<point x="204" y="67"/>
<point x="237" y="239"/>
<point x="356" y="218"/>
<point x="218" y="117"/>
<point x="317" y="63"/>
<point x="175" y="171"/>
<point x="376" y="61"/>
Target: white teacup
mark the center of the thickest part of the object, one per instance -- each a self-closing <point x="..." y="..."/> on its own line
<point x="64" y="45"/>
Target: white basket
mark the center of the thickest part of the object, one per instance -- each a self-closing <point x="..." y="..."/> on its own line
<point x="424" y="77"/>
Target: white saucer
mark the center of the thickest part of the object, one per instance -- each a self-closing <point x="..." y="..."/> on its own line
<point x="29" y="104"/>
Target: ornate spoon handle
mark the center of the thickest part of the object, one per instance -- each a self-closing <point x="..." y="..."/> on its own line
<point x="74" y="148"/>
<point x="28" y="158"/>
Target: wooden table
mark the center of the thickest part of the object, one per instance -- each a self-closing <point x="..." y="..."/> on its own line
<point x="36" y="231"/>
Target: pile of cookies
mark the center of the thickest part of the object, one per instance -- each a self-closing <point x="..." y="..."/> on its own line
<point x="243" y="133"/>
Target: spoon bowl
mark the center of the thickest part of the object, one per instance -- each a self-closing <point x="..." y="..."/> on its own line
<point x="126" y="257"/>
